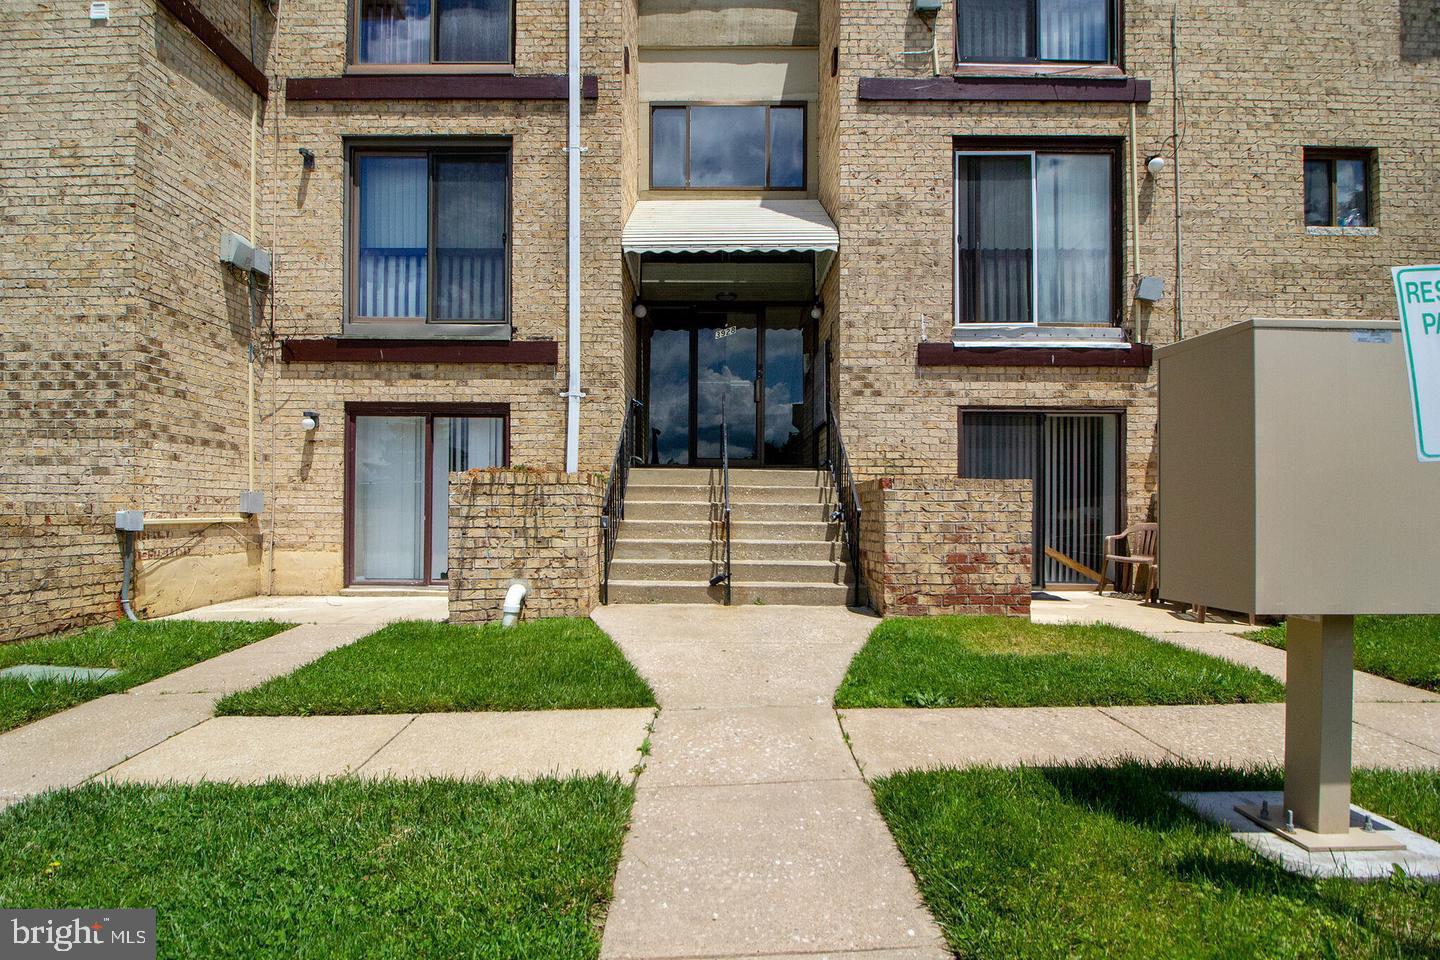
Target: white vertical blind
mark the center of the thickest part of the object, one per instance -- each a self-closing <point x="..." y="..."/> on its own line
<point x="1075" y="30"/>
<point x="461" y="443"/>
<point x="389" y="498"/>
<point x="1073" y="239"/>
<point x="394" y="201"/>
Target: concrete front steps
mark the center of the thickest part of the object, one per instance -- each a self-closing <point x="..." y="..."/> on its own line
<point x="785" y="548"/>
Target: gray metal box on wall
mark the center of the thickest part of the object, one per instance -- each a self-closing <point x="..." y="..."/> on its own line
<point x="1288" y="477"/>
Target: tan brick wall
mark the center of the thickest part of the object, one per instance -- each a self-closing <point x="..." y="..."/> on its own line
<point x="1259" y="85"/>
<point x="541" y="527"/>
<point x="940" y="545"/>
<point x="58" y="566"/>
<point x="307" y="211"/>
<point x="124" y="341"/>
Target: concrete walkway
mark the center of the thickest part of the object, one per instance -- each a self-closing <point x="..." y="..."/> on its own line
<point x="1395" y="725"/>
<point x="71" y="747"/>
<point x="1399" y="735"/>
<point x="754" y="834"/>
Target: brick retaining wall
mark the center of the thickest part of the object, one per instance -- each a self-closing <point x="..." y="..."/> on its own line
<point x="542" y="527"/>
<point x="946" y="545"/>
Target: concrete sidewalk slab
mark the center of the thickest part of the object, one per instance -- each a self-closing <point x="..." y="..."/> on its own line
<point x="1086" y="606"/>
<point x="763" y="869"/>
<point x="886" y="741"/>
<point x="374" y="612"/>
<point x="725" y="674"/>
<point x="255" y="749"/>
<point x="789" y="627"/>
<point x="1254" y="733"/>
<point x="1415" y="723"/>
<point x="748" y="745"/>
<point x="68" y="748"/>
<point x="260" y="661"/>
<point x="520" y="745"/>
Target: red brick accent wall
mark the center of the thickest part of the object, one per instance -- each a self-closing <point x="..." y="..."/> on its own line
<point x="946" y="545"/>
<point x="542" y="527"/>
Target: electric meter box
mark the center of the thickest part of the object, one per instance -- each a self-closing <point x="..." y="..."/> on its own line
<point x="1289" y="482"/>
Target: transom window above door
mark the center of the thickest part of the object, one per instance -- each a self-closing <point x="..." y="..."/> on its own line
<point x="1035" y="31"/>
<point x="1036" y="236"/>
<point x="433" y="32"/>
<point x="429" y="240"/>
<point x="727" y="147"/>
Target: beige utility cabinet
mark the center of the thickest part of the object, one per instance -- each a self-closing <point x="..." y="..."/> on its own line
<point x="1288" y="477"/>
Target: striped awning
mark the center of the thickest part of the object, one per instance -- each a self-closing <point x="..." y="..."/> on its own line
<point x="731" y="226"/>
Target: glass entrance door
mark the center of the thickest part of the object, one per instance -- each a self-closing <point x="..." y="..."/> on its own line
<point x="399" y="475"/>
<point x="727" y="378"/>
<point x="748" y="367"/>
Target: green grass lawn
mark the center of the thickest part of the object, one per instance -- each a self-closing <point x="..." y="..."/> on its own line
<point x="422" y="667"/>
<point x="1011" y="662"/>
<point x="141" y="651"/>
<point x="344" y="868"/>
<point x="1406" y="649"/>
<point x="1101" y="862"/>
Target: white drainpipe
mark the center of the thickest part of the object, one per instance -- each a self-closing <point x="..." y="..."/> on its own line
<point x="572" y="340"/>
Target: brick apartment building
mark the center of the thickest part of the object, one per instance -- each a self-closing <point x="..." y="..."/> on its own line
<point x="918" y="231"/>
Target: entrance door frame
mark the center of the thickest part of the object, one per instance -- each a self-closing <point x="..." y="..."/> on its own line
<point x="429" y="411"/>
<point x="1121" y="464"/>
<point x="759" y="307"/>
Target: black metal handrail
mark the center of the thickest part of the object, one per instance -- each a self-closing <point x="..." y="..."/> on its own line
<point x="847" y="500"/>
<point x="724" y="575"/>
<point x="613" y="510"/>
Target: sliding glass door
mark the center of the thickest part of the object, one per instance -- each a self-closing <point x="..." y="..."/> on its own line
<point x="399" y="468"/>
<point x="1073" y="461"/>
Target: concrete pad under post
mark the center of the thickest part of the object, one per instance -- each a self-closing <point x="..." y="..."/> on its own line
<point x="1320" y="653"/>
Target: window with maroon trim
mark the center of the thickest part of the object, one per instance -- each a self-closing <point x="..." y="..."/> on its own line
<point x="1036" y="31"/>
<point x="399" y="458"/>
<point x="1037" y="227"/>
<point x="429" y="239"/>
<point x="406" y="34"/>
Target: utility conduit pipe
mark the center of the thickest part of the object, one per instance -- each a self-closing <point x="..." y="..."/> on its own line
<point x="128" y="553"/>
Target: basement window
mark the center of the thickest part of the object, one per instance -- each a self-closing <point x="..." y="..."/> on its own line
<point x="429" y="238"/>
<point x="411" y="33"/>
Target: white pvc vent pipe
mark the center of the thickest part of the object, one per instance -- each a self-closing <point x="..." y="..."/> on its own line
<point x="514" y="600"/>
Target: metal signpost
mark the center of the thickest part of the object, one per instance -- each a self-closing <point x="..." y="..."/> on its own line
<point x="1417" y="290"/>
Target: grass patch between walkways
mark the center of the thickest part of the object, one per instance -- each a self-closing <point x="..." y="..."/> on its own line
<point x="424" y="667"/>
<point x="339" y="869"/>
<point x="1011" y="662"/>
<point x="1101" y="862"/>
<point x="1404" y="649"/>
<point x="140" y="651"/>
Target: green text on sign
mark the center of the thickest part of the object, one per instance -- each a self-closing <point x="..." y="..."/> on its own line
<point x="1417" y="291"/>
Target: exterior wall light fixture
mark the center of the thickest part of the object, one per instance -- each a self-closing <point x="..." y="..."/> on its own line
<point x="307" y="158"/>
<point x="817" y="311"/>
<point x="1155" y="164"/>
<point x="310" y="420"/>
<point x="640" y="310"/>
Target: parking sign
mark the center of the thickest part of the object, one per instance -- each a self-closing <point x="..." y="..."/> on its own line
<point x="1417" y="290"/>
